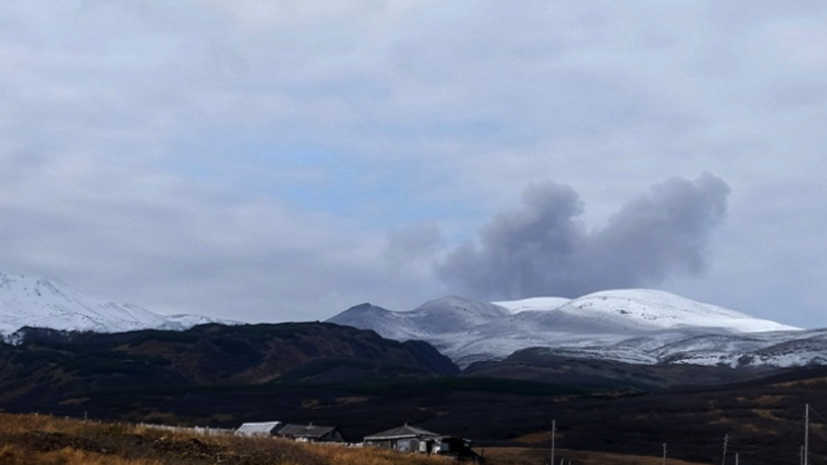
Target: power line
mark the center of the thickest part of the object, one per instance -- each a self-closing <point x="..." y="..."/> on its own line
<point x="772" y="442"/>
<point x="812" y="410"/>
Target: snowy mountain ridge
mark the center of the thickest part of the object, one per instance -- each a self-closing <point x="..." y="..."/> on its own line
<point x="38" y="301"/>
<point x="632" y="325"/>
<point x="629" y="325"/>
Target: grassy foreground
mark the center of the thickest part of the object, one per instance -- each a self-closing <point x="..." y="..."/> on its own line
<point x="30" y="439"/>
<point x="46" y="440"/>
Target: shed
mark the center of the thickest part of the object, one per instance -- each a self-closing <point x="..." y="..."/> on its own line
<point x="268" y="428"/>
<point x="311" y="433"/>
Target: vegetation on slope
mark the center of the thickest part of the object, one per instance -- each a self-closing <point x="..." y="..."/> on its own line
<point x="54" y="366"/>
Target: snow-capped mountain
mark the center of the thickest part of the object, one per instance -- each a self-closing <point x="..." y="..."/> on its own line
<point x="633" y="325"/>
<point x="37" y="301"/>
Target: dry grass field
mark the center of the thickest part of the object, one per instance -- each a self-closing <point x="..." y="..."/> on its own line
<point x="33" y="439"/>
<point x="39" y="439"/>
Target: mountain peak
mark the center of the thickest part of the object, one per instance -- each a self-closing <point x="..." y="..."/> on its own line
<point x="40" y="301"/>
<point x="660" y="310"/>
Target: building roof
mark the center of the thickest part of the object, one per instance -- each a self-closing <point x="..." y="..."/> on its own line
<point x="402" y="432"/>
<point x="252" y="429"/>
<point x="305" y="431"/>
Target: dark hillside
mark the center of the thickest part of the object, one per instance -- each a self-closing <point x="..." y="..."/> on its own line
<point x="538" y="365"/>
<point x="50" y="366"/>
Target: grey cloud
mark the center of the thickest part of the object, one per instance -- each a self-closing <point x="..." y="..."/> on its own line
<point x="110" y="109"/>
<point x="413" y="243"/>
<point x="543" y="249"/>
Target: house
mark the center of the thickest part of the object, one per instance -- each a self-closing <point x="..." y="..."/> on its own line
<point x="405" y="438"/>
<point x="269" y="428"/>
<point x="409" y="438"/>
<point x="311" y="433"/>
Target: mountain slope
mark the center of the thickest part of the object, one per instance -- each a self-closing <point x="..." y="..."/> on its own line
<point x="62" y="365"/>
<point x="634" y="325"/>
<point x="37" y="301"/>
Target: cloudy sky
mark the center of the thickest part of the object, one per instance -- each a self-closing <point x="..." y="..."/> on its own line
<point x="284" y="160"/>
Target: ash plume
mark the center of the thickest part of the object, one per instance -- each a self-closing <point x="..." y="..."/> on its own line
<point x="543" y="250"/>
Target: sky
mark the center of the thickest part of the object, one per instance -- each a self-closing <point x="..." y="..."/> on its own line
<point x="269" y="161"/>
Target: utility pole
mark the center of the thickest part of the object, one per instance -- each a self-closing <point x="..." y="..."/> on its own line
<point x="664" y="453"/>
<point x="806" y="434"/>
<point x="726" y="440"/>
<point x="553" y="429"/>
